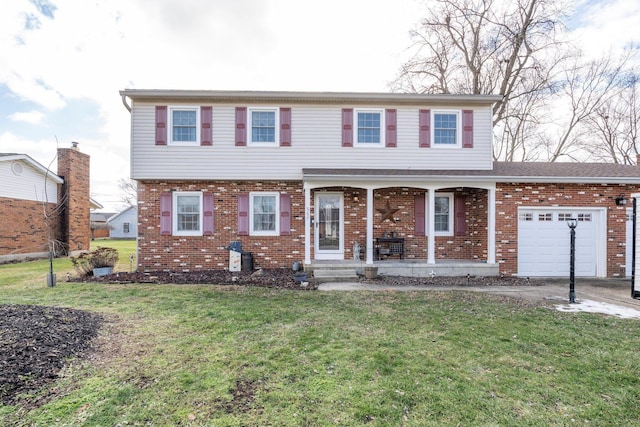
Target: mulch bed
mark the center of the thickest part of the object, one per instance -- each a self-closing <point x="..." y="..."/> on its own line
<point x="282" y="278"/>
<point x="35" y="343"/>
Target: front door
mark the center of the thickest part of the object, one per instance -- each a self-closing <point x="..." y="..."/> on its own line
<point x="329" y="234"/>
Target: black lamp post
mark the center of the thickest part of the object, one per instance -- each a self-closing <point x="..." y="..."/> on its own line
<point x="572" y="223"/>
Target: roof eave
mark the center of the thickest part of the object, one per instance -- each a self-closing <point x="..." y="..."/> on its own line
<point x="43" y="170"/>
<point x="307" y="97"/>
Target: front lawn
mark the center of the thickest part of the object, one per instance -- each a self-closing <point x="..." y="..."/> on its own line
<point x="224" y="355"/>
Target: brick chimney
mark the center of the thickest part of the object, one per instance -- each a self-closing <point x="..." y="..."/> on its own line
<point x="75" y="229"/>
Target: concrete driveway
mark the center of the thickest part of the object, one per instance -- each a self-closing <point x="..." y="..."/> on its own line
<point x="609" y="296"/>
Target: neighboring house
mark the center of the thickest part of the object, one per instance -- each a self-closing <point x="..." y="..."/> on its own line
<point x="124" y="225"/>
<point x="407" y="178"/>
<point x="99" y="224"/>
<point x="39" y="208"/>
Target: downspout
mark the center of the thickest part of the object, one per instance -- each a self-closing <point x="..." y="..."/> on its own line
<point x="124" y="101"/>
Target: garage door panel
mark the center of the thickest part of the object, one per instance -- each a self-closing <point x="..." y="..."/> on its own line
<point x="544" y="243"/>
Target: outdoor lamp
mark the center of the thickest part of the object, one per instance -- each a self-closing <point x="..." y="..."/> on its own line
<point x="621" y="200"/>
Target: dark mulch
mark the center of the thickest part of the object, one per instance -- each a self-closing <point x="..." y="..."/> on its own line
<point x="36" y="342"/>
<point x="283" y="278"/>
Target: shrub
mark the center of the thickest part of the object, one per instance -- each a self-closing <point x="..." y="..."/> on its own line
<point x="101" y="257"/>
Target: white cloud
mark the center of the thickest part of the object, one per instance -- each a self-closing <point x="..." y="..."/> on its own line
<point x="32" y="117"/>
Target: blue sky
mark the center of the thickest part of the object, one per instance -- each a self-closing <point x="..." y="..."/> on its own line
<point x="64" y="61"/>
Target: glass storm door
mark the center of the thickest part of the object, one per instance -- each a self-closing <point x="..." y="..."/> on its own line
<point x="329" y="237"/>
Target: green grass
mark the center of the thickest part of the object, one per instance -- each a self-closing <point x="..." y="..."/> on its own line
<point x="229" y="356"/>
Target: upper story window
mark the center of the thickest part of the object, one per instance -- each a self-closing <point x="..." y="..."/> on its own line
<point x="187" y="218"/>
<point x="446" y="129"/>
<point x="263" y="126"/>
<point x="369" y="128"/>
<point x="184" y="125"/>
<point x="263" y="214"/>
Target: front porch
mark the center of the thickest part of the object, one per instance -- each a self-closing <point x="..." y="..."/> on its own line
<point x="409" y="268"/>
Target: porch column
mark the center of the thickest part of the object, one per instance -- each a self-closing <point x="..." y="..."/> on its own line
<point x="431" y="227"/>
<point x="307" y="225"/>
<point x="491" y="229"/>
<point x="369" y="226"/>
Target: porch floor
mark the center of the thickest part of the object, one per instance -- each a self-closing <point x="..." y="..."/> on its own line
<point x="411" y="268"/>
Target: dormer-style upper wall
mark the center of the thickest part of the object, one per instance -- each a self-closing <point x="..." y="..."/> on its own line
<point x="274" y="135"/>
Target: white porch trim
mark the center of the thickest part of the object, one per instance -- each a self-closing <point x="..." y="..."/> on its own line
<point x="430" y="187"/>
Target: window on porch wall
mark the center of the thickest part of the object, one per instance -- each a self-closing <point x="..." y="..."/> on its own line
<point x="449" y="215"/>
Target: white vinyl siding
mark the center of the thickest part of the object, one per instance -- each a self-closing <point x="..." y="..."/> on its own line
<point x="316" y="133"/>
<point x="29" y="184"/>
<point x="117" y="224"/>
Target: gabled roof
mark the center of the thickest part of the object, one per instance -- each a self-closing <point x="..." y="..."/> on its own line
<point x="599" y="173"/>
<point x="116" y="215"/>
<point x="94" y="204"/>
<point x="9" y="157"/>
<point x="101" y="216"/>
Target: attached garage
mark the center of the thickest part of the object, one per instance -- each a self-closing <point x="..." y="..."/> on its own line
<point x="544" y="241"/>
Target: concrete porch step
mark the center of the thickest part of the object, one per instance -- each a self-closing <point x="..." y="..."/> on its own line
<point x="333" y="274"/>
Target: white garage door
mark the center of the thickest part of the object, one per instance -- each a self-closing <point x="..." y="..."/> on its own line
<point x="544" y="242"/>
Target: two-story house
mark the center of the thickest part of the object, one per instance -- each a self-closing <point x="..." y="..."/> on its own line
<point x="405" y="182"/>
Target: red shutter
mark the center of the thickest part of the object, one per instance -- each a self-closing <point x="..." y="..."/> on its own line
<point x="467" y="128"/>
<point x="285" y="215"/>
<point x="243" y="215"/>
<point x="166" y="203"/>
<point x="347" y="127"/>
<point x="241" y="126"/>
<point x="205" y="126"/>
<point x="390" y="120"/>
<point x="460" y="226"/>
<point x="419" y="215"/>
<point x="207" y="220"/>
<point x="285" y="127"/>
<point x="161" y="125"/>
<point x="425" y="128"/>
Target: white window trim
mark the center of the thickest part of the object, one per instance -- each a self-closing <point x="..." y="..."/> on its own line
<point x="383" y="127"/>
<point x="276" y="142"/>
<point x="253" y="232"/>
<point x="174" y="219"/>
<point x="170" y="124"/>
<point x="458" y="114"/>
<point x="451" y="214"/>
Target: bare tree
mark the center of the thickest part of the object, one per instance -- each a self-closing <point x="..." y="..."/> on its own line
<point x="513" y="49"/>
<point x="616" y="124"/>
<point x="129" y="189"/>
<point x="520" y="50"/>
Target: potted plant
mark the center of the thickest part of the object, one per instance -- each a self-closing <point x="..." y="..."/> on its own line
<point x="99" y="262"/>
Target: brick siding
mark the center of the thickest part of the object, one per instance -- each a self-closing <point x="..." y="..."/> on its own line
<point x="23" y="228"/>
<point x="511" y="196"/>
